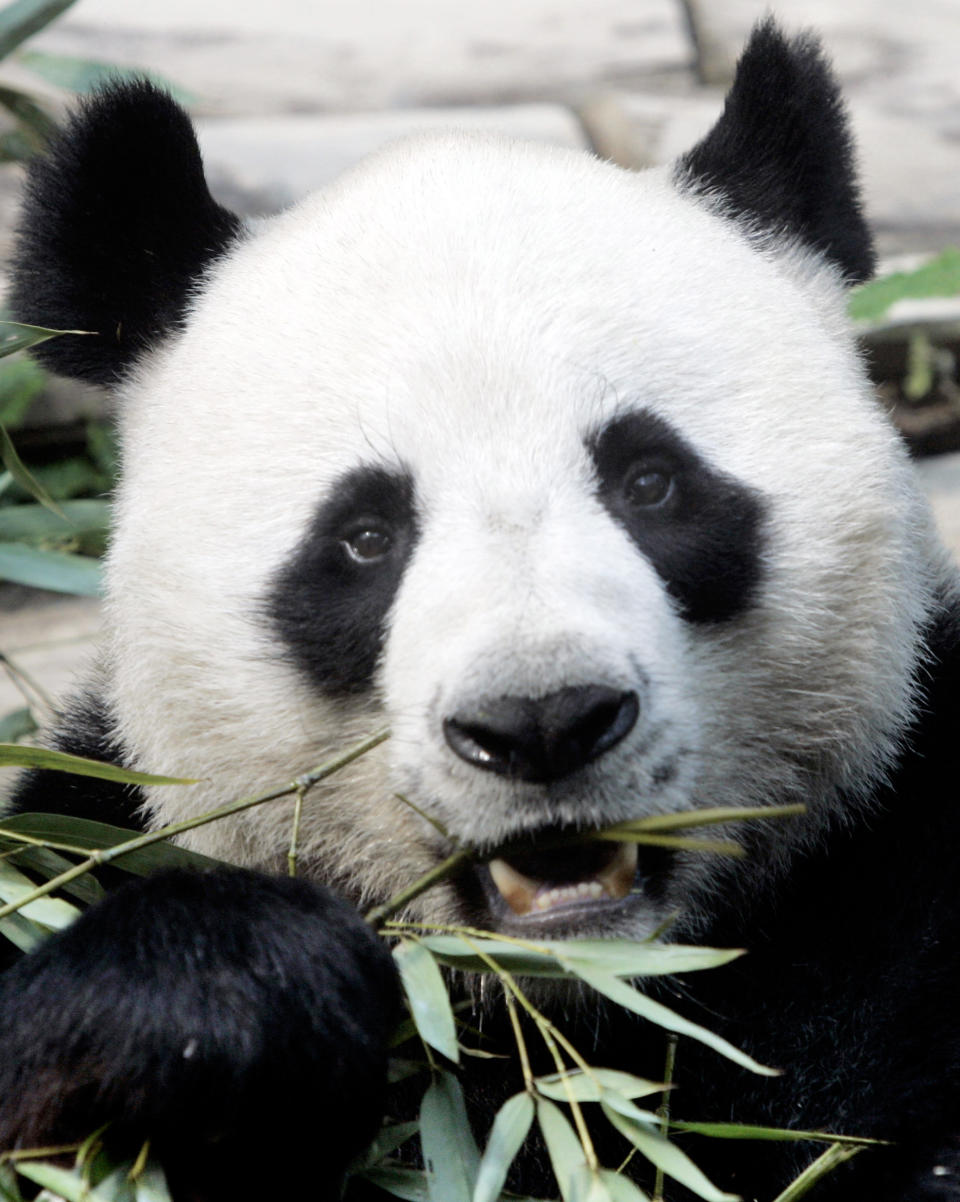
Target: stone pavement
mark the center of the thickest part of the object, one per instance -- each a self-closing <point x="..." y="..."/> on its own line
<point x="289" y="94"/>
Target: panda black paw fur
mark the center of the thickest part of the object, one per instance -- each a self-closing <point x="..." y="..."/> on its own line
<point x="238" y="1021"/>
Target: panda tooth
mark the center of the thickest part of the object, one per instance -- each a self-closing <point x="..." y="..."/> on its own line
<point x="618" y="876"/>
<point x="524" y="894"/>
<point x="517" y="890"/>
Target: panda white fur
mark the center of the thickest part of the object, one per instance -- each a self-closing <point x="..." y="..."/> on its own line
<point x="572" y="478"/>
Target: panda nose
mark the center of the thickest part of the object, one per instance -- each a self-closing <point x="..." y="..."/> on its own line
<point x="545" y="738"/>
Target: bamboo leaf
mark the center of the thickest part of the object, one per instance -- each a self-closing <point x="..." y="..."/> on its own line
<point x="23" y="18"/>
<point x="550" y="958"/>
<point x="588" y="1185"/>
<point x="937" y="277"/>
<point x="387" y="1140"/>
<point x="509" y="1130"/>
<point x="47" y="864"/>
<point x="428" y="997"/>
<point x="151" y="1185"/>
<point x="51" y="913"/>
<point x="622" y="1189"/>
<point x="625" y="1107"/>
<point x="18" y="335"/>
<point x="688" y="818"/>
<point x="9" y="1191"/>
<point x="667" y="1156"/>
<point x="33" y="118"/>
<point x="82" y="836"/>
<point x="632" y="999"/>
<point x="65" y="1183"/>
<point x="564" y="1149"/>
<point x="18" y="522"/>
<point x="21" y="932"/>
<point x="17" y="756"/>
<point x="814" y="1173"/>
<point x="16" y="724"/>
<point x="409" y="1184"/>
<point x="784" y="1134"/>
<point x="15" y="466"/>
<point x="449" y="1152"/>
<point x="56" y="571"/>
<point x="589" y="1087"/>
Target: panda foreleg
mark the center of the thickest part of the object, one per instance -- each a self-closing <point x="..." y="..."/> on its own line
<point x="238" y="1021"/>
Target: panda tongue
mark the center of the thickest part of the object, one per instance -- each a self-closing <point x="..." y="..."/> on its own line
<point x="525" y="894"/>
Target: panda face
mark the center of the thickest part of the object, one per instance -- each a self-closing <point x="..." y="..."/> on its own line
<point x="567" y="475"/>
<point x="591" y="507"/>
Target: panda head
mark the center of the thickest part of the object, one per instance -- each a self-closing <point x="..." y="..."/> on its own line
<point x="567" y="475"/>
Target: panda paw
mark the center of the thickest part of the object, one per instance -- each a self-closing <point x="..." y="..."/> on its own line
<point x="232" y="1018"/>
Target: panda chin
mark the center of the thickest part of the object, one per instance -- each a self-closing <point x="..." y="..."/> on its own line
<point x="577" y="889"/>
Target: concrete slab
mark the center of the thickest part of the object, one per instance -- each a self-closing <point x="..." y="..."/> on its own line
<point x="50" y="640"/>
<point x="910" y="172"/>
<point x="252" y="57"/>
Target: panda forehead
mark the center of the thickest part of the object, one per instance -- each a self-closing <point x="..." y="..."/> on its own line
<point x="465" y="301"/>
<point x="487" y="246"/>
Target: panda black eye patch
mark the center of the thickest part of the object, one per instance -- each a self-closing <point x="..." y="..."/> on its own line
<point x="701" y="530"/>
<point x="329" y="602"/>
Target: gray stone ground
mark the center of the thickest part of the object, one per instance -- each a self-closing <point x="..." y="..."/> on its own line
<point x="290" y="93"/>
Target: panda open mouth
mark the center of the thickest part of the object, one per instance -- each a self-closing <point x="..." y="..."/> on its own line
<point x="537" y="881"/>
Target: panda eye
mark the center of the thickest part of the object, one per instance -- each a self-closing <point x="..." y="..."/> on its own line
<point x="647" y="487"/>
<point x="367" y="544"/>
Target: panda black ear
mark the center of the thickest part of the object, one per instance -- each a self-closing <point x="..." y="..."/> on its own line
<point x="117" y="225"/>
<point x="781" y="158"/>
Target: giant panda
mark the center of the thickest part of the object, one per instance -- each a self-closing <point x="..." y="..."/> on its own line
<point x="572" y="478"/>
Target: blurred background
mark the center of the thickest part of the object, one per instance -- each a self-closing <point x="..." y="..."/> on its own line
<point x="287" y="94"/>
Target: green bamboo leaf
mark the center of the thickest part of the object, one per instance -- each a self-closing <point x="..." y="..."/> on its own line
<point x="509" y="1130"/>
<point x="19" y="336"/>
<point x="51" y="913"/>
<point x="387" y="1141"/>
<point x="9" y="1191"/>
<point x="588" y="1087"/>
<point x="620" y="1188"/>
<point x="938" y="277"/>
<point x="151" y="1185"/>
<point x="548" y="958"/>
<point x="56" y="571"/>
<point x="85" y="74"/>
<point x="33" y="118"/>
<point x="625" y="1107"/>
<point x="23" y="18"/>
<point x="710" y="816"/>
<point x="20" y="522"/>
<point x="428" y="997"/>
<point x="21" y="932"/>
<point x="777" y="1134"/>
<point x="622" y="958"/>
<point x="409" y="1184"/>
<point x="65" y="1183"/>
<point x="15" y="466"/>
<point x="814" y="1173"/>
<point x="667" y="1156"/>
<point x="449" y="1152"/>
<point x="461" y="953"/>
<point x="16" y="724"/>
<point x="631" y="999"/>
<point x="48" y="864"/>
<point x="22" y="381"/>
<point x="82" y="836"/>
<point x="588" y="1185"/>
<point x="564" y="1149"/>
<point x="15" y="755"/>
